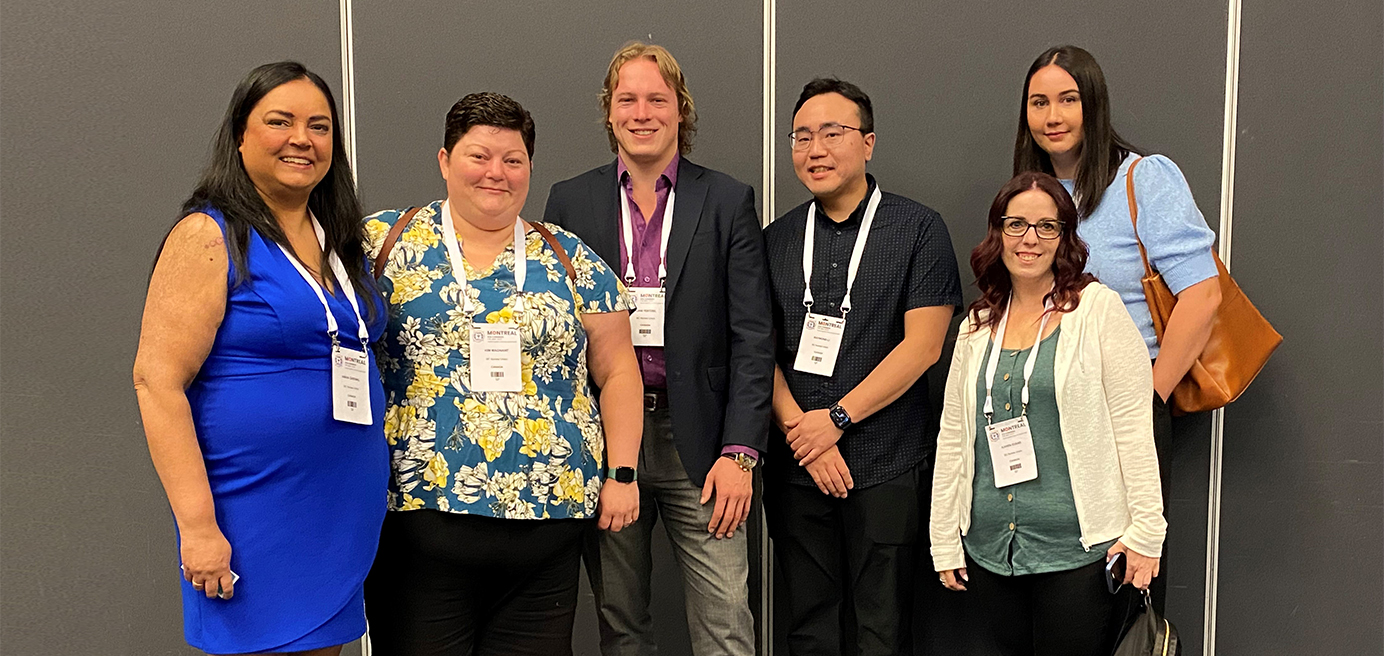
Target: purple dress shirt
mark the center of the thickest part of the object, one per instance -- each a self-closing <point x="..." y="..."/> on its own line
<point x="648" y="238"/>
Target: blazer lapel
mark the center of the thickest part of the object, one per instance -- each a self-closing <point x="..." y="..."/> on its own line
<point x="605" y="218"/>
<point x="688" y="201"/>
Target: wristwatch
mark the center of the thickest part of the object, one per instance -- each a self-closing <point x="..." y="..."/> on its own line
<point x="622" y="474"/>
<point x="744" y="460"/>
<point x="840" y="417"/>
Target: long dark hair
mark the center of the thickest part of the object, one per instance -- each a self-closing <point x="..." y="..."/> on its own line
<point x="1069" y="275"/>
<point x="226" y="186"/>
<point x="1102" y="149"/>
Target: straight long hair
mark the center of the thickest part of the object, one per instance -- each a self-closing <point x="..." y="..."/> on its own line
<point x="1069" y="275"/>
<point x="1102" y="149"/>
<point x="226" y="186"/>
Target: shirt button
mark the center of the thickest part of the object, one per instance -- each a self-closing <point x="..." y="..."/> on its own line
<point x="833" y="265"/>
<point x="1011" y="498"/>
<point x="1006" y="376"/>
<point x="838" y="232"/>
<point x="650" y="358"/>
<point x="646" y="279"/>
<point x="1011" y="526"/>
<point x="831" y="304"/>
<point x="1006" y="406"/>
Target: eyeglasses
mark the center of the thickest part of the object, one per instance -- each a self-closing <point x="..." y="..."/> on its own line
<point x="831" y="135"/>
<point x="1018" y="227"/>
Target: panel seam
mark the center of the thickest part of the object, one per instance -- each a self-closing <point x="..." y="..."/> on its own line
<point x="1213" y="497"/>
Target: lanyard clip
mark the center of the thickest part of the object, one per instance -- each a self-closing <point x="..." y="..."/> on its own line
<point x="336" y="343"/>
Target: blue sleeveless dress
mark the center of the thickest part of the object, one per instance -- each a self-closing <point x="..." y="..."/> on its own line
<point x="299" y="495"/>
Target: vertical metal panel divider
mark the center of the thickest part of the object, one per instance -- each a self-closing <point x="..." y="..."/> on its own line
<point x="766" y="557"/>
<point x="1213" y="496"/>
<point x="348" y="128"/>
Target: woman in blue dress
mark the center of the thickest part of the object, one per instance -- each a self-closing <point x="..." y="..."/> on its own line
<point x="261" y="401"/>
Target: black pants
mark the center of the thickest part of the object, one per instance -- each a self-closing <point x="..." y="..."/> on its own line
<point x="1163" y="443"/>
<point x="445" y="584"/>
<point x="848" y="565"/>
<point x="1067" y="613"/>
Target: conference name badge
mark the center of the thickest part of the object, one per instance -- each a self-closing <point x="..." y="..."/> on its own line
<point x="1011" y="451"/>
<point x="350" y="386"/>
<point x="495" y="358"/>
<point x="646" y="323"/>
<point x="819" y="344"/>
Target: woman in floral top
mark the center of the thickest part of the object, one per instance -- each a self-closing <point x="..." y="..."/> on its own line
<point x="498" y="449"/>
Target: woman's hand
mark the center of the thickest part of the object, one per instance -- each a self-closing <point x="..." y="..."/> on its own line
<point x="952" y="579"/>
<point x="206" y="556"/>
<point x="1139" y="569"/>
<point x="619" y="505"/>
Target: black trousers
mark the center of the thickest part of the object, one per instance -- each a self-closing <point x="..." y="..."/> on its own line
<point x="445" y="584"/>
<point x="1068" y="613"/>
<point x="1163" y="443"/>
<point x="848" y="565"/>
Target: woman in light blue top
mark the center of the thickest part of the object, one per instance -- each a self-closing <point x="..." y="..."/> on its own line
<point x="1064" y="130"/>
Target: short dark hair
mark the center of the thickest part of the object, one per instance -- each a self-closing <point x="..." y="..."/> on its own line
<point x="823" y="85"/>
<point x="987" y="260"/>
<point x="1102" y="149"/>
<point x="487" y="108"/>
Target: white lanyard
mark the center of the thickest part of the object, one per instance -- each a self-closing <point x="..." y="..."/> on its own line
<point x="860" y="239"/>
<point x="995" y="358"/>
<point x="339" y="270"/>
<point x="449" y="236"/>
<point x="627" y="226"/>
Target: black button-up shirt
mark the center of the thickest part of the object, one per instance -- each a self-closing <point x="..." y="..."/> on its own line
<point x="908" y="263"/>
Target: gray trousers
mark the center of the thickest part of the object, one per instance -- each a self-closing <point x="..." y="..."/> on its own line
<point x="715" y="572"/>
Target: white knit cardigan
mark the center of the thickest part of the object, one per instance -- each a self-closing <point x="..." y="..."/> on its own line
<point x="1104" y="389"/>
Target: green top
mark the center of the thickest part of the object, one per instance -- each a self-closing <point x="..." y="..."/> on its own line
<point x="1030" y="527"/>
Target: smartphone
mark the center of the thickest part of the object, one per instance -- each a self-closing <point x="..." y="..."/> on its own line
<point x="1115" y="573"/>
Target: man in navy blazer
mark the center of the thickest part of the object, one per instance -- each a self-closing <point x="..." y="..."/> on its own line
<point x="687" y="241"/>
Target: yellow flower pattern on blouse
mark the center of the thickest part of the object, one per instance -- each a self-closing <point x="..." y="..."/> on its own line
<point x="534" y="454"/>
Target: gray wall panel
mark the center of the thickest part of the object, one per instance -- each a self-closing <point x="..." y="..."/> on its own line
<point x="946" y="80"/>
<point x="108" y="109"/>
<point x="551" y="57"/>
<point x="1301" y="529"/>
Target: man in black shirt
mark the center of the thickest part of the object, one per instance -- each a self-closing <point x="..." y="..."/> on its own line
<point x="846" y="479"/>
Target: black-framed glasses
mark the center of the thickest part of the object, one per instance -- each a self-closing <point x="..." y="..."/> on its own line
<point x="1016" y="226"/>
<point x="831" y="135"/>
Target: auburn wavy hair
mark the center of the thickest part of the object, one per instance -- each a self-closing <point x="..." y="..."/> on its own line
<point x="987" y="261"/>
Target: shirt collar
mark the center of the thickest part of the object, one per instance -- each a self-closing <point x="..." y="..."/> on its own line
<point x="857" y="215"/>
<point x="670" y="173"/>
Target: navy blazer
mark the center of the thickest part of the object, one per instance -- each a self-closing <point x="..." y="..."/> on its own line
<point x="718" y="322"/>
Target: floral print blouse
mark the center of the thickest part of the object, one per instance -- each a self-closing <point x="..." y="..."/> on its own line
<point x="535" y="454"/>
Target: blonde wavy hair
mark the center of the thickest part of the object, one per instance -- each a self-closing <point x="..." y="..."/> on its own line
<point x="672" y="74"/>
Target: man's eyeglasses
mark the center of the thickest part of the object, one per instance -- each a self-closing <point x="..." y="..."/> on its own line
<point x="831" y="135"/>
<point x="1018" y="227"/>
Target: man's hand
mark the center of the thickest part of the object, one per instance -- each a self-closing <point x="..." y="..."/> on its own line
<point x="733" y="488"/>
<point x="811" y="435"/>
<point x="831" y="474"/>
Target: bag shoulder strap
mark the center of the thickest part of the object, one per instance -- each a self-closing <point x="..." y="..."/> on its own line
<point x="557" y="248"/>
<point x="391" y="239"/>
<point x="1134" y="216"/>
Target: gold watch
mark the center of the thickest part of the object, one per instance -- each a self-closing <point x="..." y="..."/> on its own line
<point x="744" y="461"/>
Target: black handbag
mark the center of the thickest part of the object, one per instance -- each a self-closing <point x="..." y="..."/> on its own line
<point x="1150" y="634"/>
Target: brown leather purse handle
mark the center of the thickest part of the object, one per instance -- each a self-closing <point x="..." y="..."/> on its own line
<point x="1134" y="216"/>
<point x="399" y="226"/>
<point x="390" y="240"/>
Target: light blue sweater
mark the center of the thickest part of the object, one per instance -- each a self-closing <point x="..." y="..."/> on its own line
<point x="1172" y="229"/>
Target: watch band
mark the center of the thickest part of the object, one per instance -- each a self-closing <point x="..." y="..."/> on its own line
<point x="743" y="460"/>
<point x="622" y="474"/>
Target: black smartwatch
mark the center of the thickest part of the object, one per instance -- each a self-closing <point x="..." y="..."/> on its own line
<point x="622" y="474"/>
<point x="840" y="417"/>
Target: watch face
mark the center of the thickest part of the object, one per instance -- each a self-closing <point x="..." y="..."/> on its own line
<point x="839" y="417"/>
<point x="624" y="474"/>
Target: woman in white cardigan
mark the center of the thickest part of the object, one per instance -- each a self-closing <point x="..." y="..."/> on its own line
<point x="1046" y="468"/>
